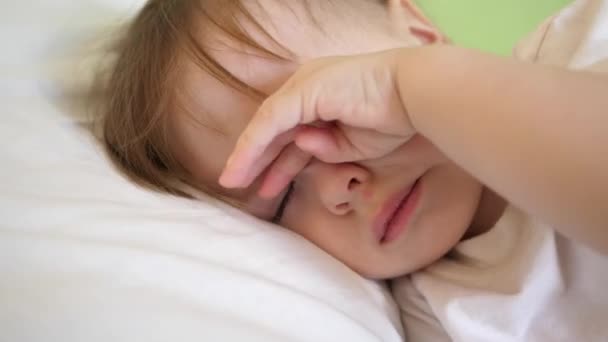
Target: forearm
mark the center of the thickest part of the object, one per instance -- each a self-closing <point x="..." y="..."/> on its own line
<point x="536" y="135"/>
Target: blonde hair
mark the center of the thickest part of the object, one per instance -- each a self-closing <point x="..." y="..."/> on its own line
<point x="140" y="90"/>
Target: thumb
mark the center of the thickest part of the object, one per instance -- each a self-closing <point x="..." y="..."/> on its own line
<point x="328" y="144"/>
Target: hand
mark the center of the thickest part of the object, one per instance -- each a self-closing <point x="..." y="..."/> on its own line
<point x="335" y="109"/>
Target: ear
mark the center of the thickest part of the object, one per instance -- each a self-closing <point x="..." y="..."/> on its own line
<point x="407" y="17"/>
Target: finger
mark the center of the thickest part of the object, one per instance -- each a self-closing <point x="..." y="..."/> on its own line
<point x="248" y="175"/>
<point x="286" y="167"/>
<point x="328" y="144"/>
<point x="252" y="154"/>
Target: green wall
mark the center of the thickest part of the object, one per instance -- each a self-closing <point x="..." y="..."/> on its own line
<point x="491" y="25"/>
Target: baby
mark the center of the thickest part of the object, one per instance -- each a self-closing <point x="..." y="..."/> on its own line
<point x="191" y="74"/>
<point x="389" y="154"/>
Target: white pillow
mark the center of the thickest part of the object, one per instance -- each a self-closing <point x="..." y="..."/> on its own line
<point x="87" y="256"/>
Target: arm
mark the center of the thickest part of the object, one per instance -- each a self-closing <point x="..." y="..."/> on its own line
<point x="536" y="135"/>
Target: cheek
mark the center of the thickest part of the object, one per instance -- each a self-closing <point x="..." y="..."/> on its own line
<point x="453" y="192"/>
<point x="453" y="198"/>
<point x="450" y="200"/>
<point x="338" y="236"/>
<point x="305" y="217"/>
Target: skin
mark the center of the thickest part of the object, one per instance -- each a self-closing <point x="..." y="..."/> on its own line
<point x="544" y="151"/>
<point x="556" y="168"/>
<point x="334" y="204"/>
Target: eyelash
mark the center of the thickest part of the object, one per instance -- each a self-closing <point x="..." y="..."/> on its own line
<point x="283" y="205"/>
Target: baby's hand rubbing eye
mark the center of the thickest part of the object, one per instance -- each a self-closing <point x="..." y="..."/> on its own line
<point x="284" y="169"/>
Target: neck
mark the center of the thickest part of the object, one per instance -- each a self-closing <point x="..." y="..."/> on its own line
<point x="491" y="208"/>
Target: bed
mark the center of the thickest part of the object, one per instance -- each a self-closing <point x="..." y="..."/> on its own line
<point x="85" y="255"/>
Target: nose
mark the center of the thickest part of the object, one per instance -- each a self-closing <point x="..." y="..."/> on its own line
<point x="339" y="185"/>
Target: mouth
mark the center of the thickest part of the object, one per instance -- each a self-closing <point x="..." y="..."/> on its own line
<point x="396" y="213"/>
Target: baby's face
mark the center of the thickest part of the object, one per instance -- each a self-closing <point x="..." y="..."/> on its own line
<point x="383" y="217"/>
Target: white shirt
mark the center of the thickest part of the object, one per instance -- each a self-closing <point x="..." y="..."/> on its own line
<point x="521" y="281"/>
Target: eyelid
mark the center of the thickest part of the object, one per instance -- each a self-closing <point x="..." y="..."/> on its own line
<point x="283" y="204"/>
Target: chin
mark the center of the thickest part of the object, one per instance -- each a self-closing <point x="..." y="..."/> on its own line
<point x="380" y="274"/>
<point x="394" y="267"/>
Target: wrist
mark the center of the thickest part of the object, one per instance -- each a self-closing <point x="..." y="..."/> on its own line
<point x="426" y="78"/>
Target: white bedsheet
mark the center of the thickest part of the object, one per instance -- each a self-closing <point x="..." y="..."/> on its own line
<point x="87" y="256"/>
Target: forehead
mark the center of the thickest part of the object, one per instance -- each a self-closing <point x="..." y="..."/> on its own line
<point x="286" y="28"/>
<point x="210" y="114"/>
<point x="246" y="56"/>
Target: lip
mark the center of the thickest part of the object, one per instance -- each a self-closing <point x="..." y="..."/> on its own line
<point x="393" y="218"/>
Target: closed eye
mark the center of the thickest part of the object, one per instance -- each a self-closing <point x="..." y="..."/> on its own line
<point x="278" y="216"/>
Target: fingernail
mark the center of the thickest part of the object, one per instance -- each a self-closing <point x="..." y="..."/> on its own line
<point x="227" y="180"/>
<point x="224" y="181"/>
